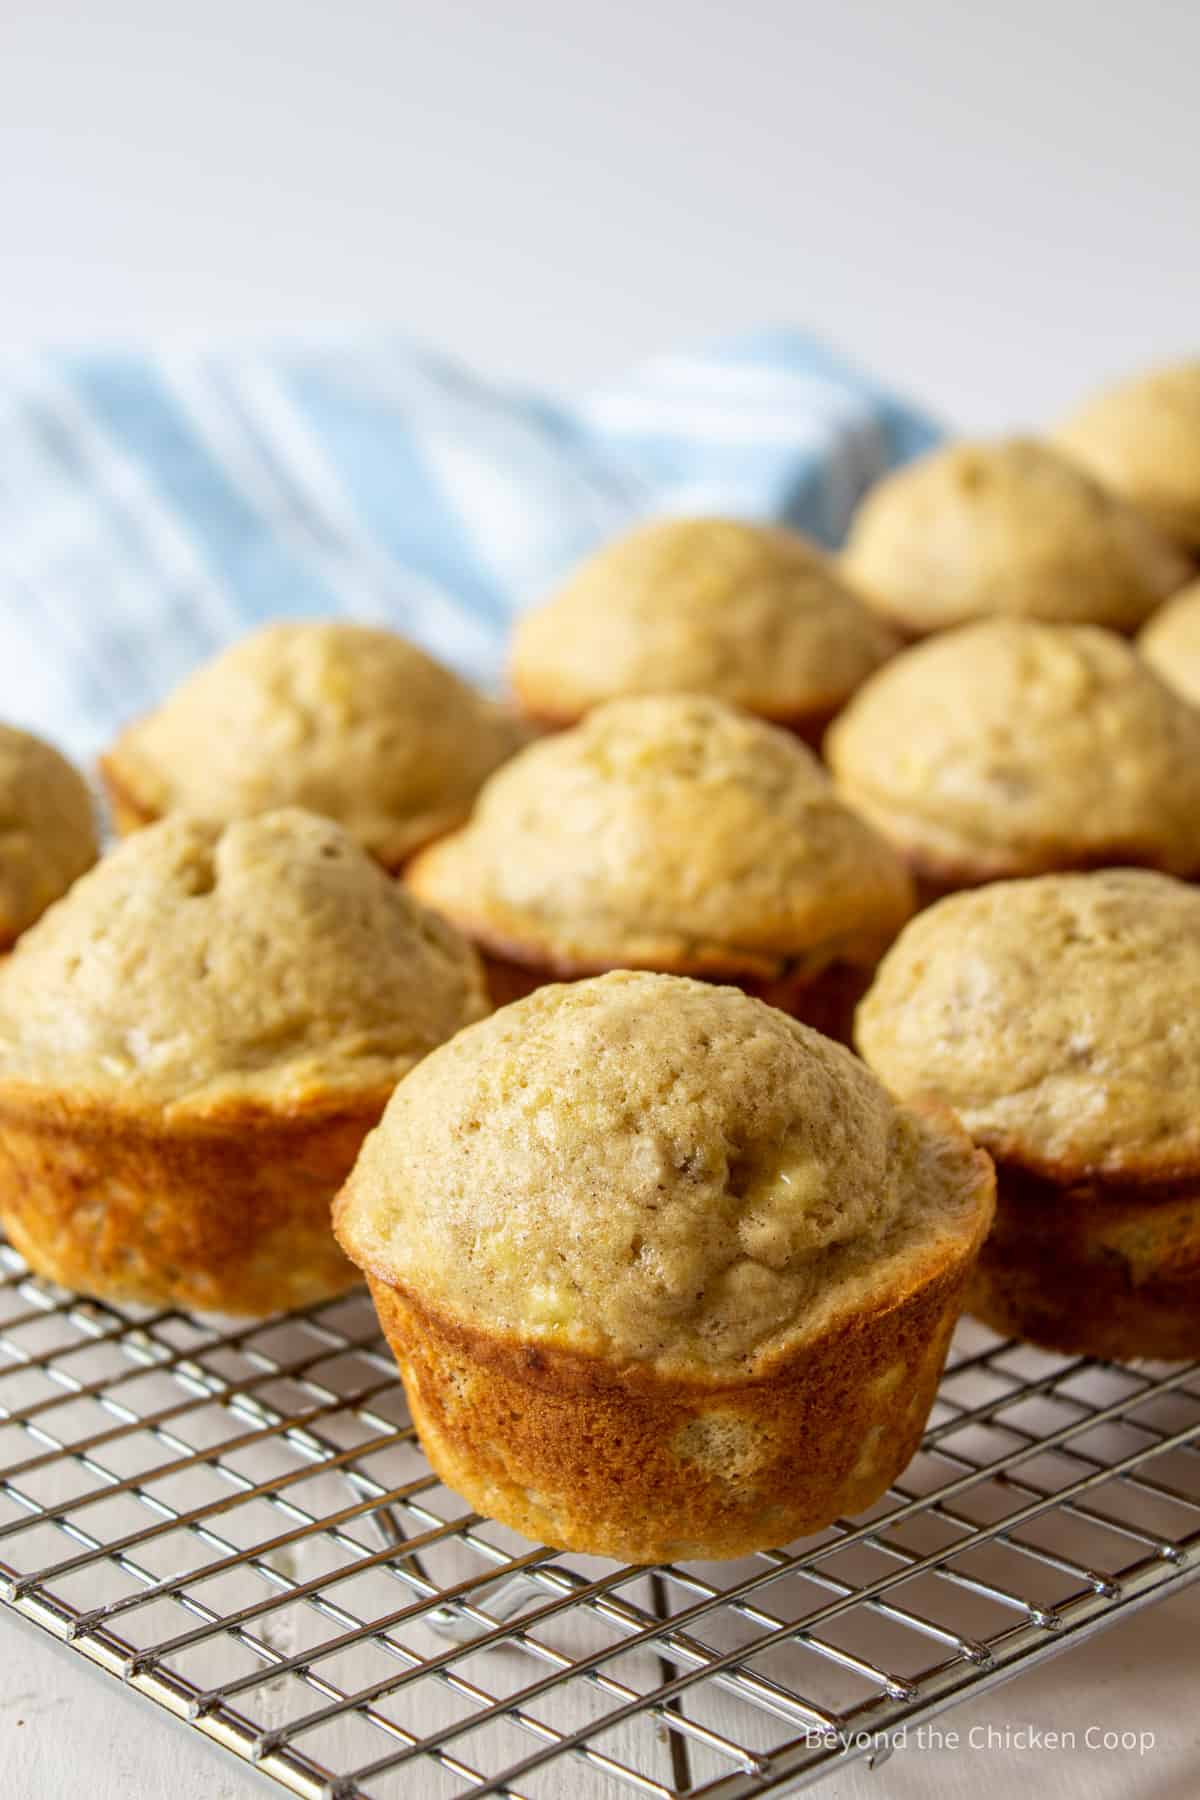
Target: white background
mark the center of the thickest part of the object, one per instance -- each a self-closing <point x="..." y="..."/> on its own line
<point x="994" y="206"/>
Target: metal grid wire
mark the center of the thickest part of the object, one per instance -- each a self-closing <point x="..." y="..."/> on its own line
<point x="240" y="1524"/>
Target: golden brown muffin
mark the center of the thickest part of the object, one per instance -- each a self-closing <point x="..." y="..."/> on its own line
<point x="47" y="830"/>
<point x="666" y="1273"/>
<point x="1009" y="527"/>
<point x="193" y="1045"/>
<point x="345" y="720"/>
<point x="1060" y="1019"/>
<point x="1141" y="438"/>
<point x="1170" y="642"/>
<point x="673" y="833"/>
<point x="751" y="614"/>
<point x="1011" y="748"/>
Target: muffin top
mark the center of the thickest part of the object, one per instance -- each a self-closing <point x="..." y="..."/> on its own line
<point x="1008" y="527"/>
<point x="674" y="832"/>
<point x="1142" y="439"/>
<point x="653" y="1169"/>
<point x="47" y="831"/>
<point x="268" y="963"/>
<point x="1010" y="747"/>
<point x="1058" y="1017"/>
<point x="750" y="613"/>
<point x="346" y="720"/>
<point x="1170" y="642"/>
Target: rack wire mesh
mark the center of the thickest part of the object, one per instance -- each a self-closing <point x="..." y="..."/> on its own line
<point x="239" y="1524"/>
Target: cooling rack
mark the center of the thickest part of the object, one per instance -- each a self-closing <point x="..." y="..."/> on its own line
<point x="240" y="1525"/>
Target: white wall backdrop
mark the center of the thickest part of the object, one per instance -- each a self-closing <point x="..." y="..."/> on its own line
<point x="995" y="205"/>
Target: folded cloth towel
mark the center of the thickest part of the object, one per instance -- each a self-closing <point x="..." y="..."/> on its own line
<point x="154" y="507"/>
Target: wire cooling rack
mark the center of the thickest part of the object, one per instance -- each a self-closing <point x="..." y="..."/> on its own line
<point x="241" y="1526"/>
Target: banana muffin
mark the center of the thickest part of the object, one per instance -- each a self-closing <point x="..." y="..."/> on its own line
<point x="1142" y="439"/>
<point x="673" y="833"/>
<point x="1011" y="748"/>
<point x="193" y="1045"/>
<point x="345" y="720"/>
<point x="1170" y="642"/>
<point x="753" y="614"/>
<point x="1060" y="1019"/>
<point x="1011" y="527"/>
<point x="666" y="1273"/>
<point x="47" y="830"/>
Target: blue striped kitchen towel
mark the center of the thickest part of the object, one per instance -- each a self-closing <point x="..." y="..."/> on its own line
<point x="154" y="506"/>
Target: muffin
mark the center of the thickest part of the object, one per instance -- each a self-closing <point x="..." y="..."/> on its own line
<point x="1141" y="438"/>
<point x="1060" y="1019"/>
<point x="673" y="833"/>
<point x="1170" y="642"/>
<point x="1011" y="527"/>
<point x="751" y="614"/>
<point x="345" y="720"/>
<point x="1011" y="748"/>
<point x="48" y="835"/>
<point x="666" y="1273"/>
<point x="193" y="1045"/>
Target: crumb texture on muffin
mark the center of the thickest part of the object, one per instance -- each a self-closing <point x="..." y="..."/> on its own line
<point x="350" y="721"/>
<point x="1058" y="1017"/>
<point x="1008" y="527"/>
<point x="1009" y="746"/>
<point x="1141" y="437"/>
<point x="673" y="832"/>
<point x="47" y="829"/>
<point x="753" y="614"/>
<point x="656" y="1172"/>
<point x="268" y="961"/>
<point x="1170" y="642"/>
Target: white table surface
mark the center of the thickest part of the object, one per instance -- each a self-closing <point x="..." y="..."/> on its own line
<point x="996" y="207"/>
